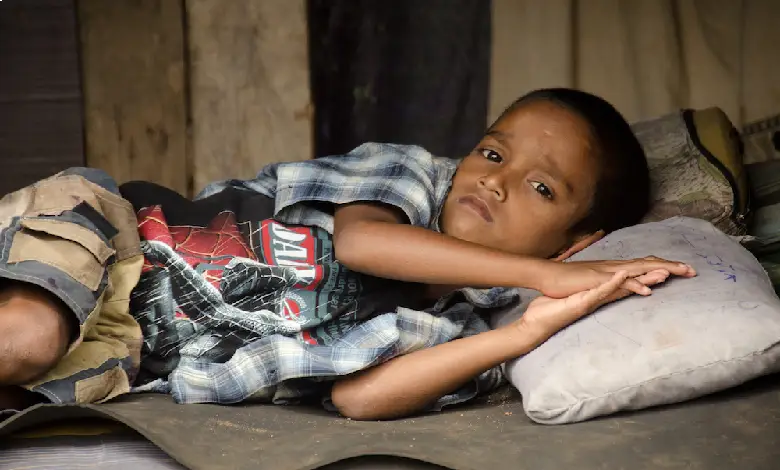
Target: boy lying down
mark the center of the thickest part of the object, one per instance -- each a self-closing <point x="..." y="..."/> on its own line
<point x="360" y="280"/>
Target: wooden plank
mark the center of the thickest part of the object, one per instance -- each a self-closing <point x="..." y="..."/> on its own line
<point x="134" y="89"/>
<point x="38" y="51"/>
<point x="249" y="86"/>
<point x="38" y="139"/>
<point x="41" y="129"/>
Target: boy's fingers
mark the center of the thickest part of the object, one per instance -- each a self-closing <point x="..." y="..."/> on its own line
<point x="639" y="267"/>
<point x="633" y="285"/>
<point x="609" y="291"/>
<point x="650" y="279"/>
<point x="674" y="267"/>
<point x="654" y="277"/>
<point x="596" y="296"/>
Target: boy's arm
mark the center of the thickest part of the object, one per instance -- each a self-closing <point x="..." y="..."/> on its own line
<point x="376" y="240"/>
<point x="411" y="383"/>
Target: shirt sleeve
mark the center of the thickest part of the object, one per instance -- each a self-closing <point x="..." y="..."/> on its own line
<point x="406" y="177"/>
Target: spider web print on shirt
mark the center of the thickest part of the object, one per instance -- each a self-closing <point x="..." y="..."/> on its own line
<point x="207" y="291"/>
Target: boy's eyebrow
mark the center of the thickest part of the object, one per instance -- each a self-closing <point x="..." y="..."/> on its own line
<point x="500" y="136"/>
<point x="555" y="172"/>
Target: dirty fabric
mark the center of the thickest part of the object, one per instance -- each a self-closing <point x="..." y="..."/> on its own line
<point x="738" y="428"/>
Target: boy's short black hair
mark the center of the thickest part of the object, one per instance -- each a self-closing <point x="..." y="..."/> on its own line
<point x="623" y="191"/>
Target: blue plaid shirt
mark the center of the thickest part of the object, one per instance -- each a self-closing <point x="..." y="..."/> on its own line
<point x="407" y="177"/>
<point x="281" y="369"/>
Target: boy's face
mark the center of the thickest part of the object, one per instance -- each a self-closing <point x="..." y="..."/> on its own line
<point x="529" y="180"/>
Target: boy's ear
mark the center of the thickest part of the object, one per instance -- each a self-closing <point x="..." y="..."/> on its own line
<point x="580" y="244"/>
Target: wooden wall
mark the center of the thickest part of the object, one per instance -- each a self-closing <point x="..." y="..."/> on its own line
<point x="185" y="92"/>
<point x="250" y="97"/>
<point x="40" y="96"/>
<point x="132" y="55"/>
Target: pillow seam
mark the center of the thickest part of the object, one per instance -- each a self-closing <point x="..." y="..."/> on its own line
<point x="585" y="400"/>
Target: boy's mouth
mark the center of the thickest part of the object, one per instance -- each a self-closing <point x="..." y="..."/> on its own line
<point x="477" y="205"/>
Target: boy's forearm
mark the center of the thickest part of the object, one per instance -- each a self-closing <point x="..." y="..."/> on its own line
<point x="410" y="383"/>
<point x="414" y="254"/>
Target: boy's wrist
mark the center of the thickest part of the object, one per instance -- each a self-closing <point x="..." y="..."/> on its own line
<point x="533" y="273"/>
<point x="520" y="339"/>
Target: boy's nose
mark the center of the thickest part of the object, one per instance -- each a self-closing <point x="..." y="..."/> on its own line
<point x="493" y="184"/>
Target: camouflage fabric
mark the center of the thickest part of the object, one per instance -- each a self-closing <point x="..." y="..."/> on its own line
<point x="696" y="168"/>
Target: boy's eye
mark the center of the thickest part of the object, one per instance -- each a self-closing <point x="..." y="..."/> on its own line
<point x="491" y="155"/>
<point x="542" y="189"/>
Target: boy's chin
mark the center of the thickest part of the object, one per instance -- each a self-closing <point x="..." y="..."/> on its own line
<point x="474" y="236"/>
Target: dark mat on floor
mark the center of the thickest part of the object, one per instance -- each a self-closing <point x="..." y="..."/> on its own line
<point x="735" y="429"/>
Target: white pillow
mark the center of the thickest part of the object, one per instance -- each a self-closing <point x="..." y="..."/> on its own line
<point x="689" y="338"/>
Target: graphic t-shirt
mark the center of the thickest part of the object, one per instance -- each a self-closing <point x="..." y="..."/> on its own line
<point x="220" y="272"/>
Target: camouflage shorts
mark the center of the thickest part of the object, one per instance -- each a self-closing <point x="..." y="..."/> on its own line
<point x="75" y="236"/>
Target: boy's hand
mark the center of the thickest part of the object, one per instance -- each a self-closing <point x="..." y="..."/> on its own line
<point x="545" y="316"/>
<point x="561" y="280"/>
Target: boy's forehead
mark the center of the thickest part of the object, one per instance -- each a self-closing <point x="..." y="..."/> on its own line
<point x="543" y="127"/>
<point x="542" y="116"/>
